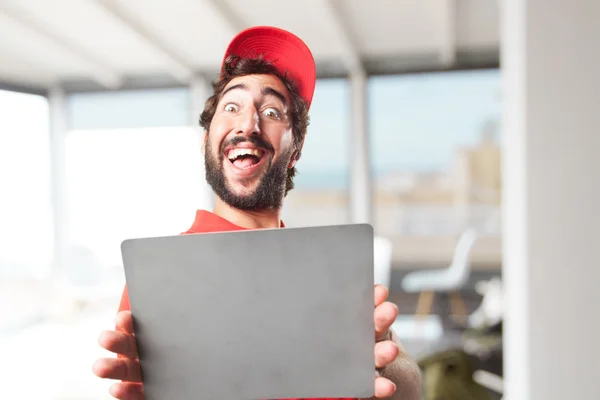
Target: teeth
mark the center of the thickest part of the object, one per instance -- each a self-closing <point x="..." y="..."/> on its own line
<point x="235" y="153"/>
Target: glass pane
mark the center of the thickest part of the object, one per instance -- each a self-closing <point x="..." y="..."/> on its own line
<point x="25" y="212"/>
<point x="321" y="193"/>
<point x="130" y="109"/>
<point x="26" y="242"/>
<point x="131" y="183"/>
<point x="436" y="160"/>
<point x="436" y="152"/>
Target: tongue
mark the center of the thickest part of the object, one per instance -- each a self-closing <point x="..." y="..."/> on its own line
<point x="244" y="162"/>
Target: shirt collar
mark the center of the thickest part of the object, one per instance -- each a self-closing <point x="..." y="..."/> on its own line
<point x="207" y="221"/>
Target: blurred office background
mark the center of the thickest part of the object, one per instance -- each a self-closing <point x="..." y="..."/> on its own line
<point x="99" y="142"/>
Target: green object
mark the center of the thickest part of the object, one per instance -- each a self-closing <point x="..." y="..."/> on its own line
<point x="448" y="375"/>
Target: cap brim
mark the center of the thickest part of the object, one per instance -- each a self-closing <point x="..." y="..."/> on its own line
<point x="289" y="54"/>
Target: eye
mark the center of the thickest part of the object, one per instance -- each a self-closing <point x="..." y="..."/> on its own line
<point x="272" y="113"/>
<point x="231" y="107"/>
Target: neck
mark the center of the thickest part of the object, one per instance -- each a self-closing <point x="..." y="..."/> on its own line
<point x="262" y="219"/>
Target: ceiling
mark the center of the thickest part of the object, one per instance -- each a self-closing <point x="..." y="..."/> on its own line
<point x="112" y="44"/>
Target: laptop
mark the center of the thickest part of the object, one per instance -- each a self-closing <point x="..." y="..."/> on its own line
<point x="259" y="314"/>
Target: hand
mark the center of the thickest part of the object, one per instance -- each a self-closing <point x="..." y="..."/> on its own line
<point x="386" y="350"/>
<point x="126" y="367"/>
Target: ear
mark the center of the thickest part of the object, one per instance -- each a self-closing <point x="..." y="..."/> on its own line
<point x="296" y="156"/>
<point x="204" y="144"/>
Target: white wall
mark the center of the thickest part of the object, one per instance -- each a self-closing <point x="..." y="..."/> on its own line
<point x="551" y="70"/>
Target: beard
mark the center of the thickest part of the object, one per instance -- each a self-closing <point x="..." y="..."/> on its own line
<point x="269" y="192"/>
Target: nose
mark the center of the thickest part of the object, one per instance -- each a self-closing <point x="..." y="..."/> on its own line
<point x="248" y="122"/>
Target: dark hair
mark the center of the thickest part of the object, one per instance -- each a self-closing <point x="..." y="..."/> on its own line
<point x="236" y="66"/>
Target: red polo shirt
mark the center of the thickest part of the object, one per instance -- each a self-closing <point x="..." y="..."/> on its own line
<point x="205" y="222"/>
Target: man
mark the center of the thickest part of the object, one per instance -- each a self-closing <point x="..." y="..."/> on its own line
<point x="255" y="124"/>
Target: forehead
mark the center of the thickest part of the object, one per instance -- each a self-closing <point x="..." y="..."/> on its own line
<point x="257" y="82"/>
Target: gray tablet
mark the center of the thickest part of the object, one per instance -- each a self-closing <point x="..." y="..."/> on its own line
<point x="261" y="314"/>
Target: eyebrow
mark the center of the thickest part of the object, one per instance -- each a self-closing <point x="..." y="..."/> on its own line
<point x="267" y="91"/>
<point x="238" y="86"/>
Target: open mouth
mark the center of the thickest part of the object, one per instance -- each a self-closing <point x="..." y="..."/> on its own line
<point x="244" y="158"/>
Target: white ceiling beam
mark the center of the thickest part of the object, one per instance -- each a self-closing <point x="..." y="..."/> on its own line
<point x="179" y="68"/>
<point x="448" y="33"/>
<point x="232" y="19"/>
<point x="335" y="15"/>
<point x="99" y="71"/>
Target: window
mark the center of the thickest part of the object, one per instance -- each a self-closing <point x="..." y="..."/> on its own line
<point x="320" y="196"/>
<point x="435" y="152"/>
<point x="26" y="237"/>
<point x="132" y="183"/>
<point x="134" y="168"/>
<point x="25" y="212"/>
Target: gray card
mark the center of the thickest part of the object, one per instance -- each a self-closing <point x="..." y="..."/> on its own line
<point x="261" y="314"/>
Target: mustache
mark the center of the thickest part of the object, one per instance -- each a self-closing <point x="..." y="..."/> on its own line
<point x="255" y="140"/>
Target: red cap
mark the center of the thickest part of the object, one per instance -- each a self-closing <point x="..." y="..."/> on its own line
<point x="288" y="53"/>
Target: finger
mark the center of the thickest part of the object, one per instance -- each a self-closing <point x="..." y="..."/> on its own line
<point x="385" y="353"/>
<point x="384" y="387"/>
<point x="122" y="369"/>
<point x="127" y="391"/>
<point x="381" y="294"/>
<point x="119" y="342"/>
<point x="385" y="316"/>
<point x="124" y="321"/>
